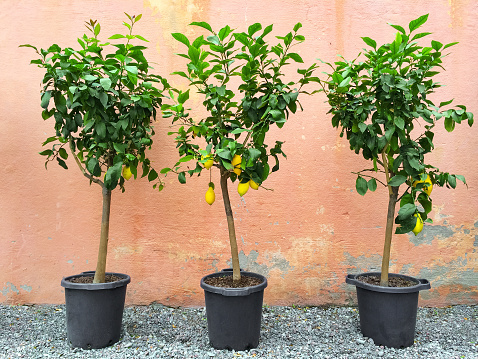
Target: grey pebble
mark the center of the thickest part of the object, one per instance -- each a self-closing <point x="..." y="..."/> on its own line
<point x="156" y="331"/>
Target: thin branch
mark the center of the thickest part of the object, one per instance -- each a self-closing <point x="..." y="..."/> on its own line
<point x="361" y="174"/>
<point x="78" y="162"/>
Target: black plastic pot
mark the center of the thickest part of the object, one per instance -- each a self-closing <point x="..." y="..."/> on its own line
<point x="388" y="314"/>
<point x="234" y="314"/>
<point x="94" y="312"/>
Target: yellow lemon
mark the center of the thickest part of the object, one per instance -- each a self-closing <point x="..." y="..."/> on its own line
<point x="242" y="188"/>
<point x="126" y="173"/>
<point x="210" y="196"/>
<point x="419" y="226"/>
<point x="208" y="164"/>
<point x="427" y="185"/>
<point x="236" y="163"/>
<point x="253" y="185"/>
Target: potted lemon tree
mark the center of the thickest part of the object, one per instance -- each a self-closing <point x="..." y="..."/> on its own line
<point x="240" y="76"/>
<point x="382" y="104"/>
<point x="102" y="98"/>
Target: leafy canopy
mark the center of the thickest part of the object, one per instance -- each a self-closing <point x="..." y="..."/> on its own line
<point x="221" y="66"/>
<point x="102" y="98"/>
<point x="382" y="105"/>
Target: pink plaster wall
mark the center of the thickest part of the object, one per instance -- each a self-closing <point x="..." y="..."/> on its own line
<point x="305" y="236"/>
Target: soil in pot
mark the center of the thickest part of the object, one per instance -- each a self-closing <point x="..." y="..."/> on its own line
<point x="227" y="282"/>
<point x="109" y="278"/>
<point x="392" y="281"/>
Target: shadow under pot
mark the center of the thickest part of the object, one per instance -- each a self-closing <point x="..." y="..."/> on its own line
<point x="234" y="314"/>
<point x="388" y="315"/>
<point x="94" y="312"/>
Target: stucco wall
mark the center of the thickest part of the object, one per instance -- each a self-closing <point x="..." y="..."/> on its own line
<point x="305" y="236"/>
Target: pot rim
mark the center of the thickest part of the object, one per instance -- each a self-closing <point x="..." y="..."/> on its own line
<point x="234" y="292"/>
<point x="65" y="283"/>
<point x="422" y="284"/>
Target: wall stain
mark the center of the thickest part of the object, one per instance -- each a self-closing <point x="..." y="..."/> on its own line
<point x="249" y="263"/>
<point x="431" y="233"/>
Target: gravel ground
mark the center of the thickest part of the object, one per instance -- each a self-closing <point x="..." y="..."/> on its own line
<point x="156" y="331"/>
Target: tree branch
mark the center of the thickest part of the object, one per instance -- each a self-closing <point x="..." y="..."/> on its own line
<point x="78" y="162"/>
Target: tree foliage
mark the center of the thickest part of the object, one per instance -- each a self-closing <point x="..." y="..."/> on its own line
<point x="102" y="98"/>
<point x="381" y="102"/>
<point x="223" y="65"/>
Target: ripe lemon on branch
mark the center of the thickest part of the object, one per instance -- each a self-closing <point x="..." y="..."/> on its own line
<point x="210" y="195"/>
<point x="253" y="185"/>
<point x="419" y="226"/>
<point x="236" y="163"/>
<point x="427" y="186"/>
<point x="208" y="164"/>
<point x="126" y="173"/>
<point x="242" y="188"/>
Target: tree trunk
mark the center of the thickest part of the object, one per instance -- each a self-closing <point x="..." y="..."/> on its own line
<point x="105" y="225"/>
<point x="392" y="200"/>
<point x="236" y="271"/>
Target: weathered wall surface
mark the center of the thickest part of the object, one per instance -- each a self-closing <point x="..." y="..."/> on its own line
<point x="305" y="236"/>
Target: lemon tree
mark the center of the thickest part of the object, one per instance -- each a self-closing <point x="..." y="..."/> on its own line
<point x="240" y="77"/>
<point x="102" y="103"/>
<point x="381" y="102"/>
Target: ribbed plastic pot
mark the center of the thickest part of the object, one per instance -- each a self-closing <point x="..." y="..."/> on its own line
<point x="388" y="315"/>
<point x="94" y="312"/>
<point x="234" y="314"/>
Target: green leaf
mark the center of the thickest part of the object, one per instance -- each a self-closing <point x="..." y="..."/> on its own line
<point x="451" y="181"/>
<point x="361" y="185"/>
<point x="224" y="32"/>
<point x="415" y="24"/>
<point x="372" y="184"/>
<point x="444" y="103"/>
<point x="103" y="97"/>
<point x="297" y="27"/>
<point x="63" y="153"/>
<point x="254" y="28"/>
<point x="461" y="178"/>
<point x="182" y="177"/>
<point x="116" y="36"/>
<point x="450" y="44"/>
<point x="62" y="163"/>
<point x="105" y="82"/>
<point x="370" y="42"/>
<point x="397" y="180"/>
<point x="89" y="77"/>
<point x="407" y="210"/>
<point x="449" y="124"/>
<point x="46" y="153"/>
<point x="181" y="38"/>
<point x="131" y="69"/>
<point x="141" y="38"/>
<point x="100" y="129"/>
<point x="202" y="24"/>
<point x="183" y="97"/>
<point x="420" y="35"/>
<point x="436" y="45"/>
<point x="152" y="175"/>
<point x="45" y="99"/>
<point x="399" y="122"/>
<point x="296" y="57"/>
<point x="399" y="28"/>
